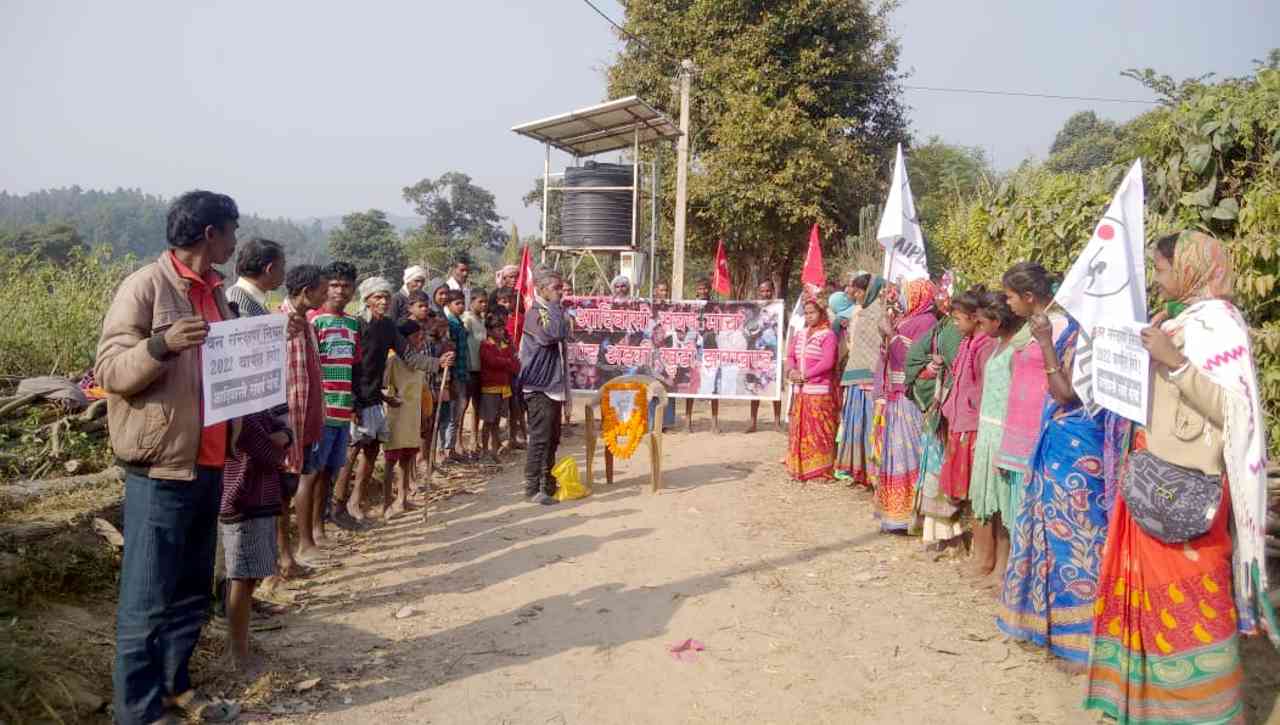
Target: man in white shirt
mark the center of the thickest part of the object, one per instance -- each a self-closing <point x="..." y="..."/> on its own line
<point x="457" y="279"/>
<point x="260" y="266"/>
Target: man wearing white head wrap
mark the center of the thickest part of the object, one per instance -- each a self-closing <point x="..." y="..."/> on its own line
<point x="621" y="286"/>
<point x="506" y="277"/>
<point x="377" y="336"/>
<point x="415" y="278"/>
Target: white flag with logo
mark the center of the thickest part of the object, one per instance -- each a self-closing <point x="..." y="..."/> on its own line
<point x="899" y="232"/>
<point x="1107" y="283"/>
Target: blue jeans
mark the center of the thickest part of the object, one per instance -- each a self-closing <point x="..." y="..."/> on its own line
<point x="170" y="535"/>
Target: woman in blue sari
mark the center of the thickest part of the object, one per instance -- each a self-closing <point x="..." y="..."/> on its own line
<point x="1057" y="539"/>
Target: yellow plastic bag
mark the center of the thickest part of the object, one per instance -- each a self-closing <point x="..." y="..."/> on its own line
<point x="569" y="486"/>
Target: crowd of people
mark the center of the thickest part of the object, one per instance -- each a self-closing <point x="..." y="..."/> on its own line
<point x="1108" y="544"/>
<point x="208" y="508"/>
<point x="1111" y="545"/>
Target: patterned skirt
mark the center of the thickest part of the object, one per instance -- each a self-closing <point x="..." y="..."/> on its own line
<point x="854" y="458"/>
<point x="898" y="440"/>
<point x="811" y="451"/>
<point x="937" y="517"/>
<point x="1165" y="646"/>
<point x="1056" y="544"/>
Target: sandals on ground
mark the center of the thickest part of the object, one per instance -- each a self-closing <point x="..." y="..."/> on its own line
<point x="203" y="708"/>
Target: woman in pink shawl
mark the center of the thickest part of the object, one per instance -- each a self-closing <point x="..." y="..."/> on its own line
<point x="811" y="356"/>
<point x="901" y="421"/>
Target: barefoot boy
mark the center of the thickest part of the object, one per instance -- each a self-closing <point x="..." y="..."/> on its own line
<point x="251" y="501"/>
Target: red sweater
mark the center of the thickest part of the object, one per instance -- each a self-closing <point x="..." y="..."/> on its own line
<point x="497" y="364"/>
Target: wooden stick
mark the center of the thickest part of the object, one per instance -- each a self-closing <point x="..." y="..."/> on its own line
<point x="435" y="428"/>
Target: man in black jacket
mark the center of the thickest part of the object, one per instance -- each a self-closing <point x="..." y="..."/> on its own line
<point x="545" y="382"/>
<point x="369" y="430"/>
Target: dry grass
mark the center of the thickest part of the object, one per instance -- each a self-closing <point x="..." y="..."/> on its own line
<point x="55" y="663"/>
<point x="63" y="507"/>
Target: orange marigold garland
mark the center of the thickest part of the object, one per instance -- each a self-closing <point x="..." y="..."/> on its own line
<point x="623" y="436"/>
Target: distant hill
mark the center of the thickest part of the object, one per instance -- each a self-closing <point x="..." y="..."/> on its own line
<point x="132" y="222"/>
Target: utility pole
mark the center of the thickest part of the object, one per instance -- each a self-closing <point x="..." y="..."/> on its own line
<point x="682" y="184"/>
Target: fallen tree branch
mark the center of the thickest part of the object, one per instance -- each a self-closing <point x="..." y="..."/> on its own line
<point x="19" y="403"/>
<point x="23" y="492"/>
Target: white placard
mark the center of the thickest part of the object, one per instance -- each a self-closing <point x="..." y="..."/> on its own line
<point x="1122" y="370"/>
<point x="243" y="367"/>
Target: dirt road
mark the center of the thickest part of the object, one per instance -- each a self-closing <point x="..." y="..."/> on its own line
<point x="526" y="614"/>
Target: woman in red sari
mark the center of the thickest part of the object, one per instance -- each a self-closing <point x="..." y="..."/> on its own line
<point x="811" y="355"/>
<point x="1168" y="613"/>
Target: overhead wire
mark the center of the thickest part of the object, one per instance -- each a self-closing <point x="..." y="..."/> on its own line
<point x="906" y="87"/>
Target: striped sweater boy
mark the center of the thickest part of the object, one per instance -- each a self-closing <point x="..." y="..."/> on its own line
<point x="338" y="335"/>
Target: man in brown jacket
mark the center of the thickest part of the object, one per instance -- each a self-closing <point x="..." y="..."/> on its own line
<point x="149" y="363"/>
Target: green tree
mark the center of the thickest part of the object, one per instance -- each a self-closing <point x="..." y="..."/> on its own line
<point x="55" y="242"/>
<point x="795" y="112"/>
<point x="1085" y="142"/>
<point x="367" y="240"/>
<point x="456" y="208"/>
<point x="555" y="203"/>
<point x="943" y="173"/>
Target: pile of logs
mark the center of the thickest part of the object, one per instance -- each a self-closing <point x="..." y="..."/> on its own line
<point x="52" y="427"/>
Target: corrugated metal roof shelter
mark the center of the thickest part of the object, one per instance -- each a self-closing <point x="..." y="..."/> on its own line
<point x="609" y="126"/>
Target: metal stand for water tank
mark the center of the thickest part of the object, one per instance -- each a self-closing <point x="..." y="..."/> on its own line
<point x="589" y="131"/>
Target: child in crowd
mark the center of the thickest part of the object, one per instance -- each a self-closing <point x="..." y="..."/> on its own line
<point x="498" y="367"/>
<point x="436" y="343"/>
<point x="251" y="501"/>
<point x="960" y="408"/>
<point x="403" y="386"/>
<point x="308" y="288"/>
<point x="473" y="319"/>
<point x="459" y="375"/>
<point x="990" y="491"/>
<point x="504" y="301"/>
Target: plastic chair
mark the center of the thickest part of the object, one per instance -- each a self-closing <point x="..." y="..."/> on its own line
<point x="656" y="393"/>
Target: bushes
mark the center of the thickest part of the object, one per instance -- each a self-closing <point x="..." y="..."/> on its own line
<point x="53" y="313"/>
<point x="1211" y="161"/>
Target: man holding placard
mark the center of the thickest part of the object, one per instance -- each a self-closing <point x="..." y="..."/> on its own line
<point x="149" y="362"/>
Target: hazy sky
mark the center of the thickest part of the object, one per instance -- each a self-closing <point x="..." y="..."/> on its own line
<point x="319" y="108"/>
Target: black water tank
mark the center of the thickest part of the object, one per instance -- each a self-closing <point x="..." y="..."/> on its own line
<point x="596" y="218"/>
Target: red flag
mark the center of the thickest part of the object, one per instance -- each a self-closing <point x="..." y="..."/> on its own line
<point x="720" y="282"/>
<point x="814" y="276"/>
<point x="524" y="298"/>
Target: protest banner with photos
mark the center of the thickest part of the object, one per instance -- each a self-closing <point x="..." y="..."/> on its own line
<point x="729" y="350"/>
<point x="243" y="364"/>
<point x="1121" y="370"/>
